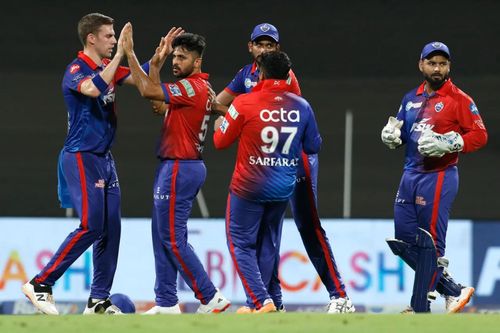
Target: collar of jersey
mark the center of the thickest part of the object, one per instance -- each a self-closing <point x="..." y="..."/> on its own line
<point x="87" y="60"/>
<point x="272" y="84"/>
<point x="254" y="68"/>
<point x="443" y="91"/>
<point x="203" y="76"/>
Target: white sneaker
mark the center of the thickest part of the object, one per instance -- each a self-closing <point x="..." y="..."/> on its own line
<point x="158" y="310"/>
<point x="217" y="304"/>
<point x="41" y="297"/>
<point x="101" y="306"/>
<point x="340" y="305"/>
<point x="457" y="304"/>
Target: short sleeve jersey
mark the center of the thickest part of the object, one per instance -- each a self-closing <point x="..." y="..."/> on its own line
<point x="186" y="122"/>
<point x="91" y="120"/>
<point x="448" y="109"/>
<point x="273" y="126"/>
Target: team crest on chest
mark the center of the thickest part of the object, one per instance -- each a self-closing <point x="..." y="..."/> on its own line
<point x="439" y="106"/>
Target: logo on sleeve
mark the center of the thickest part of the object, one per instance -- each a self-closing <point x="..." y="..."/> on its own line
<point x="439" y="106"/>
<point x="174" y="90"/>
<point x="473" y="109"/>
<point x="74" y="68"/>
<point x="224" y="125"/>
<point x="232" y="112"/>
<point x="249" y="84"/>
<point x="188" y="87"/>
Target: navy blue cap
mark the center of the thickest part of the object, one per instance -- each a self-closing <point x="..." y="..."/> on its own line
<point x="265" y="29"/>
<point x="435" y="47"/>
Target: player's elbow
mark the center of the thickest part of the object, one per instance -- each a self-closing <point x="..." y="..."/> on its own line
<point x="313" y="147"/>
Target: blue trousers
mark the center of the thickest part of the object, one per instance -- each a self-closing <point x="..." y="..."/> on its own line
<point x="424" y="201"/>
<point x="304" y="208"/>
<point x="253" y="231"/>
<point x="92" y="184"/>
<point x="176" y="184"/>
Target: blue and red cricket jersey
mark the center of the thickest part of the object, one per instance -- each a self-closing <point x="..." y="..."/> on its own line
<point x="449" y="109"/>
<point x="185" y="126"/>
<point x="273" y="126"/>
<point x="91" y="121"/>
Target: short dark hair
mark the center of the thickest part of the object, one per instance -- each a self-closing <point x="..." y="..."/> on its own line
<point x="90" y="24"/>
<point x="190" y="42"/>
<point x="274" y="65"/>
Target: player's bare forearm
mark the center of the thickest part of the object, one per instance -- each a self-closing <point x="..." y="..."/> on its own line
<point x="143" y="82"/>
<point x="219" y="109"/>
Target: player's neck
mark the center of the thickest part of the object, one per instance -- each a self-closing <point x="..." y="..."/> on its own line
<point x="93" y="55"/>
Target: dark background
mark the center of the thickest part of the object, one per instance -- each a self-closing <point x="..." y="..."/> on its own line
<point x="353" y="55"/>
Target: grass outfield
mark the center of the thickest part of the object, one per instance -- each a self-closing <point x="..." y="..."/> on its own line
<point x="231" y="323"/>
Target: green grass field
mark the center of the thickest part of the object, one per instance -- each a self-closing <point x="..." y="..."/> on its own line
<point x="231" y="323"/>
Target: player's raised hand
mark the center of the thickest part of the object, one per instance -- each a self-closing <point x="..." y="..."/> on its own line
<point x="126" y="38"/>
<point x="170" y="36"/>
<point x="391" y="133"/>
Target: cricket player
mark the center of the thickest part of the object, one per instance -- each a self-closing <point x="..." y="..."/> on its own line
<point x="436" y="121"/>
<point x="264" y="38"/>
<point x="181" y="171"/>
<point x="88" y="181"/>
<point x="273" y="126"/>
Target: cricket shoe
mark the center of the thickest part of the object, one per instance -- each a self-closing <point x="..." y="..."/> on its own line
<point x="457" y="304"/>
<point x="101" y="306"/>
<point x="245" y="310"/>
<point x="268" y="307"/>
<point x="40" y="296"/>
<point x="217" y="304"/>
<point x="340" y="305"/>
<point x="167" y="310"/>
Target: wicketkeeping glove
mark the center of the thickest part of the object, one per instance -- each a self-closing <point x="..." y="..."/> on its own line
<point x="434" y="144"/>
<point x="391" y="133"/>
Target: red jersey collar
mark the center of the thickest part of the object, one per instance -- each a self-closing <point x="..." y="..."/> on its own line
<point x="272" y="84"/>
<point x="443" y="91"/>
<point x="254" y="68"/>
<point x="87" y="60"/>
<point x="203" y="76"/>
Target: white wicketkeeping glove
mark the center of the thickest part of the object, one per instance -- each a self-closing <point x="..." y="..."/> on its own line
<point x="434" y="144"/>
<point x="391" y="133"/>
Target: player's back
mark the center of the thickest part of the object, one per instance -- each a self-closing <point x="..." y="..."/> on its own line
<point x="276" y="125"/>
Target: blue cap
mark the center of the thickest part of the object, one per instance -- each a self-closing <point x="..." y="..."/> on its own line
<point x="123" y="302"/>
<point x="435" y="47"/>
<point x="265" y="29"/>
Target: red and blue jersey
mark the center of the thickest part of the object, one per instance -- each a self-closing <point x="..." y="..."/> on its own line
<point x="248" y="77"/>
<point x="186" y="122"/>
<point x="448" y="109"/>
<point x="273" y="126"/>
<point x="91" y="120"/>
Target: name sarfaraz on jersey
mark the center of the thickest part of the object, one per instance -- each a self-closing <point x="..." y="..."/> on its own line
<point x="273" y="161"/>
<point x="280" y="115"/>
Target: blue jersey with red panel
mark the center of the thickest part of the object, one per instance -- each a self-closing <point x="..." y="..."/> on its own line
<point x="91" y="121"/>
<point x="186" y="122"/>
<point x="273" y="126"/>
<point x="448" y="109"/>
<point x="248" y="77"/>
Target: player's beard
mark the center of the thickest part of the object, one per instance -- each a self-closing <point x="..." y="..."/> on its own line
<point x="435" y="81"/>
<point x="180" y="74"/>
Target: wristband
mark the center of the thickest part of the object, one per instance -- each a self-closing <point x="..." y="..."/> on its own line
<point x="100" y="84"/>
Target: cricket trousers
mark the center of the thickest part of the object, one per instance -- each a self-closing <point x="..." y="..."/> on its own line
<point x="304" y="208"/>
<point x="176" y="185"/>
<point x="424" y="201"/>
<point x="253" y="231"/>
<point x="92" y="183"/>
